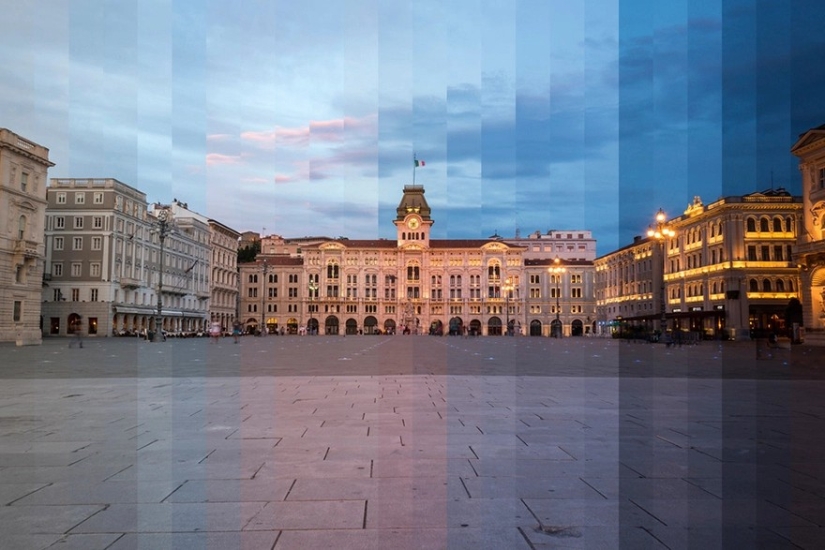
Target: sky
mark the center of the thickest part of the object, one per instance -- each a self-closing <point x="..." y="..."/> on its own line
<point x="303" y="118"/>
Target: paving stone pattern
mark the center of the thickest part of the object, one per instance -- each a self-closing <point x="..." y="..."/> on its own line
<point x="409" y="442"/>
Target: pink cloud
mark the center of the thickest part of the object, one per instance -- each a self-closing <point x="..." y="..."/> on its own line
<point x="279" y="136"/>
<point x="213" y="159"/>
<point x="283" y="178"/>
<point x="333" y="130"/>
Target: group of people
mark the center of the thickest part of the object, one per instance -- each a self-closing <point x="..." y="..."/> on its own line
<point x="215" y="331"/>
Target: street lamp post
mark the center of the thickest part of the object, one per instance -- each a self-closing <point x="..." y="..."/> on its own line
<point x="263" y="298"/>
<point x="662" y="233"/>
<point x="163" y="230"/>
<point x="507" y="287"/>
<point x="313" y="288"/>
<point x="557" y="271"/>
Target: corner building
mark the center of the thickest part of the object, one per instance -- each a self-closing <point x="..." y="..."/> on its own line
<point x="23" y="175"/>
<point x="810" y="250"/>
<point x="414" y="284"/>
<point x="103" y="261"/>
<point x="727" y="271"/>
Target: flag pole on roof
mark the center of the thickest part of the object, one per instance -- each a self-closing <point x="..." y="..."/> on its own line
<point x="416" y="164"/>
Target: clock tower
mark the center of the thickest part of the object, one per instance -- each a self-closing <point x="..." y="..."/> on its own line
<point x="413" y="220"/>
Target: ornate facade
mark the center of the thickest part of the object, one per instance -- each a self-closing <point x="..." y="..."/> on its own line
<point x="415" y="284"/>
<point x="727" y="271"/>
<point x="810" y="250"/>
<point x="23" y="176"/>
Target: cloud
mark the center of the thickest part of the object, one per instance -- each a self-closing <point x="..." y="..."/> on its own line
<point x="323" y="131"/>
<point x="283" y="178"/>
<point x="214" y="159"/>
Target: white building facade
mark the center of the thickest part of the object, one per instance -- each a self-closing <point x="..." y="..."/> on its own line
<point x="23" y="176"/>
<point x="416" y="284"/>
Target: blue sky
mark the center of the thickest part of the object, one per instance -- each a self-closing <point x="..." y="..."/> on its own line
<point x="303" y="117"/>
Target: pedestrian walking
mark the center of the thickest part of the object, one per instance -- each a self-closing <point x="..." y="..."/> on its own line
<point x="215" y="331"/>
<point x="236" y="331"/>
<point x="77" y="333"/>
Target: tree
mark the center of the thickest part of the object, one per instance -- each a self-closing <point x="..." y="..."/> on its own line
<point x="248" y="253"/>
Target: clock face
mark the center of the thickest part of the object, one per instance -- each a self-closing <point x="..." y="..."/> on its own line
<point x="412" y="223"/>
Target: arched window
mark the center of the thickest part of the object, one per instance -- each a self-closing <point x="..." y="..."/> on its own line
<point x="332" y="270"/>
<point x="790" y="285"/>
<point x="777" y="225"/>
<point x="750" y="225"/>
<point x="789" y="225"/>
<point x="754" y="286"/>
<point x="21" y="227"/>
<point x="780" y="285"/>
<point x="766" y="285"/>
<point x="763" y="225"/>
<point x="713" y="288"/>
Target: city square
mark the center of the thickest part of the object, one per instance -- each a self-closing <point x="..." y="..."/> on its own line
<point x="410" y="442"/>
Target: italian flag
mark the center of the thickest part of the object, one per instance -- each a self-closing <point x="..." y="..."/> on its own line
<point x="419" y="163"/>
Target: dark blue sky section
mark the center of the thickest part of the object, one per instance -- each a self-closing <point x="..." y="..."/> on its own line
<point x="712" y="107"/>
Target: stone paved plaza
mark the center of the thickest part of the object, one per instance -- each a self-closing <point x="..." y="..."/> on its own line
<point x="406" y="442"/>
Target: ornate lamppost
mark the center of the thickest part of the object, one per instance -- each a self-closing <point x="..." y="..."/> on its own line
<point x="662" y="233"/>
<point x="557" y="270"/>
<point x="507" y="287"/>
<point x="163" y="230"/>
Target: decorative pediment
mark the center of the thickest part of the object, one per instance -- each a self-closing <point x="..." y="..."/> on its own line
<point x="494" y="247"/>
<point x="25" y="205"/>
<point x="812" y="139"/>
<point x="332" y="246"/>
<point x="411" y="246"/>
<point x="696" y="207"/>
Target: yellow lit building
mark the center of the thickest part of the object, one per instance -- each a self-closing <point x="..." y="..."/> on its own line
<point x="728" y="270"/>
<point x="810" y="251"/>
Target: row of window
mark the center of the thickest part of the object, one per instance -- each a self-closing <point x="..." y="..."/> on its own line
<point x="252" y="292"/>
<point x="766" y="225"/>
<point x="77" y="243"/>
<point x="79" y="197"/>
<point x="74" y="294"/>
<point x="754" y="285"/>
<point x="434" y="309"/>
<point x="767" y="253"/>
<point x="272" y="308"/>
<point x="76" y="269"/>
<point x="77" y="221"/>
<point x="413" y="275"/>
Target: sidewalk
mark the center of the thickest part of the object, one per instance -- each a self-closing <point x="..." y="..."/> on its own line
<point x="409" y="442"/>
